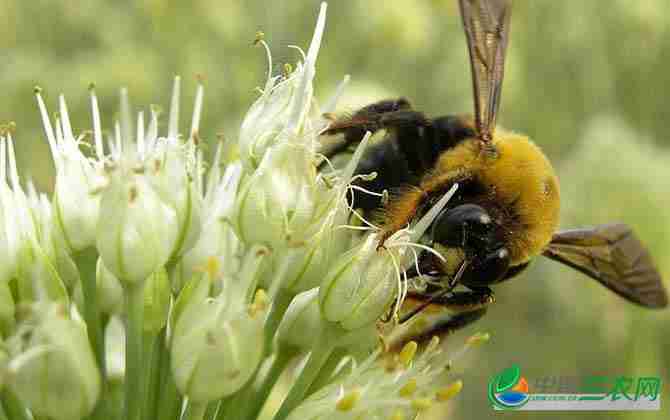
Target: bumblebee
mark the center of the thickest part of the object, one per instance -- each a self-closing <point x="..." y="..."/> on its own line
<point x="506" y="209"/>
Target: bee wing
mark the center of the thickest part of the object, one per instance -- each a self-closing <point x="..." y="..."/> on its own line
<point x="614" y="256"/>
<point x="486" y="24"/>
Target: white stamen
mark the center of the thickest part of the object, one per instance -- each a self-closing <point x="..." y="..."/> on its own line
<point x="304" y="91"/>
<point x="152" y="134"/>
<point x="173" y="120"/>
<point x="197" y="111"/>
<point x="97" y="130"/>
<point x="140" y="135"/>
<point x="48" y="129"/>
<point x="424" y="223"/>
<point x="13" y="172"/>
<point x="348" y="173"/>
<point x="126" y="123"/>
<point x="65" y="119"/>
<point x="331" y="105"/>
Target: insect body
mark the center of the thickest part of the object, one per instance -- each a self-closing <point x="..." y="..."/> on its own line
<point x="506" y="208"/>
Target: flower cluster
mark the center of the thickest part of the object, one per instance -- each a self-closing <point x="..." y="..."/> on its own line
<point x="155" y="283"/>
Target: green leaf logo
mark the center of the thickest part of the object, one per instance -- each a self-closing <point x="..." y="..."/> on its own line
<point x="508" y="378"/>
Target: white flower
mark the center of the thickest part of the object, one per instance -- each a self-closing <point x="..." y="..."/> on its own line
<point x="280" y="114"/>
<point x="52" y="368"/>
<point x="218" y="339"/>
<point x="76" y="203"/>
<point x="10" y="230"/>
<point x="388" y="385"/>
<point x="137" y="230"/>
<point x="28" y="239"/>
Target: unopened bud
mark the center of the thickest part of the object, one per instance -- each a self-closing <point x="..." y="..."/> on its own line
<point x="56" y="359"/>
<point x="137" y="230"/>
<point x="359" y="286"/>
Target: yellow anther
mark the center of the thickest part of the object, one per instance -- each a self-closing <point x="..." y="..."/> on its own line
<point x="288" y="69"/>
<point x="261" y="299"/>
<point x="408" y="352"/>
<point x="478" y="338"/>
<point x="37" y="90"/>
<point x="348" y="401"/>
<point x="212" y="267"/>
<point x="421" y="404"/>
<point x="260" y="303"/>
<point x="397" y="415"/>
<point x="408" y="389"/>
<point x="450" y="391"/>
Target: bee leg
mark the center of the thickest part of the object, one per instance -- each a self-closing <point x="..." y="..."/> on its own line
<point x="386" y="114"/>
<point x="466" y="308"/>
<point x="365" y="119"/>
<point x="439" y="295"/>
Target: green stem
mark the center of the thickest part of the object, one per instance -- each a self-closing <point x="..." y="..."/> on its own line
<point x="168" y="400"/>
<point x="86" y="262"/>
<point x="134" y="399"/>
<point x="194" y="410"/>
<point x="325" y="376"/>
<point x="259" y="396"/>
<point x="279" y="307"/>
<point x="212" y="408"/>
<point x="225" y="407"/>
<point x="3" y="416"/>
<point x="153" y="345"/>
<point x="13" y="407"/>
<point x="323" y="347"/>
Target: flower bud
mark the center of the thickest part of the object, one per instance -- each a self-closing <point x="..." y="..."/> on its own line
<point x="212" y="357"/>
<point x="360" y="285"/>
<point x="308" y="264"/>
<point x="137" y="231"/>
<point x="281" y="112"/>
<point x="220" y="239"/>
<point x="218" y="341"/>
<point x="75" y="203"/>
<point x="9" y="235"/>
<point x="37" y="277"/>
<point x="170" y="177"/>
<point x="280" y="196"/>
<point x="55" y="374"/>
<point x="13" y="210"/>
<point x="110" y="291"/>
<point x="115" y="349"/>
<point x="302" y="323"/>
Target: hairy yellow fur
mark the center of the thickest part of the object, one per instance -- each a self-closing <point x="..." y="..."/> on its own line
<point x="518" y="179"/>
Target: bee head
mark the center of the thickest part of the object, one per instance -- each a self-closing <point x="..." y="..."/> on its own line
<point x="466" y="226"/>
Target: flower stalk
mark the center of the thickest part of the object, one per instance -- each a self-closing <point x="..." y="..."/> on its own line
<point x="87" y="262"/>
<point x="135" y="391"/>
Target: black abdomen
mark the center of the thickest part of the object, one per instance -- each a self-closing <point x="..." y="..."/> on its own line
<point x="406" y="154"/>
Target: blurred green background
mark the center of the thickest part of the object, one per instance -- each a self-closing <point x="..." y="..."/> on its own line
<point x="588" y="80"/>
